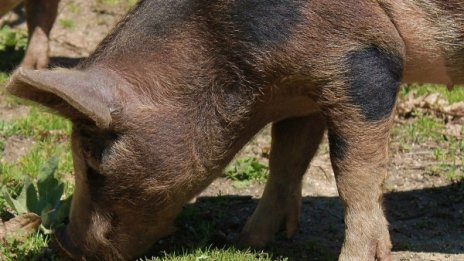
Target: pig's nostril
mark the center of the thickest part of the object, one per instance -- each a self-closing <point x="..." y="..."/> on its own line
<point x="65" y="244"/>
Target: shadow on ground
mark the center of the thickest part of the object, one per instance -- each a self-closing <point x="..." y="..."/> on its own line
<point x="10" y="59"/>
<point x="65" y="62"/>
<point x="426" y="220"/>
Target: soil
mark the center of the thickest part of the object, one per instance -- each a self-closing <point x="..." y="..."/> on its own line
<point x="425" y="211"/>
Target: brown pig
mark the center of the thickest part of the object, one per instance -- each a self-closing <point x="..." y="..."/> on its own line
<point x="40" y="15"/>
<point x="170" y="96"/>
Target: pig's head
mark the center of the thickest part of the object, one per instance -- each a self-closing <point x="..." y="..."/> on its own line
<point x="130" y="169"/>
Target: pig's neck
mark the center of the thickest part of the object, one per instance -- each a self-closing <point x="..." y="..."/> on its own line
<point x="222" y="124"/>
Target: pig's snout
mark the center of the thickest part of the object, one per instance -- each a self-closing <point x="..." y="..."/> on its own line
<point x="66" y="246"/>
<point x="88" y="251"/>
<point x="89" y="244"/>
<point x="93" y="242"/>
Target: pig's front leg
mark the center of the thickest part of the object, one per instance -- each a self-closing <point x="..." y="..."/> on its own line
<point x="294" y="143"/>
<point x="359" y="157"/>
<point x="41" y="15"/>
<point x="359" y="123"/>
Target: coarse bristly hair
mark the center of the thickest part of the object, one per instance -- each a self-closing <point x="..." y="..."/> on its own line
<point x="178" y="87"/>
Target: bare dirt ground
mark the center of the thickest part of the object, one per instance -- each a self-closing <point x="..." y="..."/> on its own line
<point x="426" y="212"/>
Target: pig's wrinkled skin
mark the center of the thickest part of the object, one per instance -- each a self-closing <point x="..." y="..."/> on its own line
<point x="171" y="95"/>
<point x="40" y="15"/>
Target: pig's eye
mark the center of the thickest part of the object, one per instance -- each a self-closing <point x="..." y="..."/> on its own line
<point x="95" y="143"/>
<point x="93" y="150"/>
<point x="96" y="182"/>
<point x="94" y="177"/>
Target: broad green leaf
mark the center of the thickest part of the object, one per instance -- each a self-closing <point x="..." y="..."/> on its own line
<point x="50" y="189"/>
<point x="47" y="215"/>
<point x="32" y="202"/>
<point x="62" y="211"/>
<point x="21" y="200"/>
<point x="12" y="203"/>
<point x="48" y="169"/>
<point x="50" y="192"/>
<point x="43" y="199"/>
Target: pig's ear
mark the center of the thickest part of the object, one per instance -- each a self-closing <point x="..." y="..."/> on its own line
<point x="69" y="92"/>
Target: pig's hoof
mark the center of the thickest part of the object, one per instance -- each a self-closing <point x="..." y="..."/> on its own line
<point x="260" y="229"/>
<point x="383" y="251"/>
<point x="65" y="246"/>
<point x="35" y="63"/>
<point x="366" y="249"/>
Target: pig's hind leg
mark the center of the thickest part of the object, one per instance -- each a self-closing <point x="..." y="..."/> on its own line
<point x="294" y="143"/>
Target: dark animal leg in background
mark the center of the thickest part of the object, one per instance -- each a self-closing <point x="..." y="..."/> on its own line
<point x="41" y="15"/>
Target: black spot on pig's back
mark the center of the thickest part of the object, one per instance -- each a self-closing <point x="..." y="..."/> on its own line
<point x="266" y="22"/>
<point x="159" y="18"/>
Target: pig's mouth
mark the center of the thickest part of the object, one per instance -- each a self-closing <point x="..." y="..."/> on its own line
<point x="66" y="246"/>
<point x="81" y="251"/>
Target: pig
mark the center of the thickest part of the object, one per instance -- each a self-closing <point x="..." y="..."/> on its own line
<point x="40" y="15"/>
<point x="178" y="87"/>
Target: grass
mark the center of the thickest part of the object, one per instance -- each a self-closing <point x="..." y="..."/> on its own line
<point x="109" y="2"/>
<point x="67" y="23"/>
<point x="421" y="129"/>
<point x="451" y="157"/>
<point x="48" y="135"/>
<point x="22" y="250"/>
<point x="3" y="77"/>
<point x="427" y="129"/>
<point x="245" y="170"/>
<point x="209" y="254"/>
<point x="456" y="95"/>
<point x="73" y="8"/>
<point x="12" y="48"/>
<point x="12" y="39"/>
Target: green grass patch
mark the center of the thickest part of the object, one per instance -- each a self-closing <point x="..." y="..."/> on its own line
<point x="2" y="146"/>
<point x="73" y="8"/>
<point x="425" y="128"/>
<point x="3" y="77"/>
<point x="44" y="197"/>
<point x="109" y="2"/>
<point x="67" y="23"/>
<point x="13" y="44"/>
<point x="422" y="129"/>
<point x="227" y="254"/>
<point x="48" y="135"/>
<point x="451" y="156"/>
<point x="132" y="3"/>
<point x="12" y="39"/>
<point x="37" y="124"/>
<point x="29" y="249"/>
<point x="456" y="95"/>
<point x="14" y="174"/>
<point x="448" y="151"/>
<point x="25" y="186"/>
<point x="244" y="170"/>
